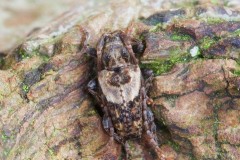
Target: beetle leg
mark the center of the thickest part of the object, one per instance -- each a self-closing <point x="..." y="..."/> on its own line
<point x="127" y="42"/>
<point x="148" y="77"/>
<point x="90" y="51"/>
<point x="127" y="150"/>
<point x="93" y="89"/>
<point x="147" y="82"/>
<point x="100" y="46"/>
<point x="149" y="126"/>
<point x="107" y="122"/>
<point x="108" y="126"/>
<point x="147" y="74"/>
<point x="137" y="45"/>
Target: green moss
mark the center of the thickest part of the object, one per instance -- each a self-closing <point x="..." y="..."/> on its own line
<point x="10" y="111"/>
<point x="214" y="20"/>
<point x="158" y="27"/>
<point x="6" y="152"/>
<point x="192" y="157"/>
<point x="207" y="42"/>
<point x="91" y="113"/>
<point x="51" y="152"/>
<point x="45" y="58"/>
<point x="180" y="37"/>
<point x="160" y="66"/>
<point x="236" y="72"/>
<point x="25" y="88"/>
<point x="4" y="137"/>
<point x="236" y="32"/>
<point x="171" y="99"/>
<point x="174" y="145"/>
<point x="215" y="129"/>
<point x="23" y="54"/>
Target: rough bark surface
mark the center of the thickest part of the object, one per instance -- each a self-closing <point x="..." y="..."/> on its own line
<point x="46" y="112"/>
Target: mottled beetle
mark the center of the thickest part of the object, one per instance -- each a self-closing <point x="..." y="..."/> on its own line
<point x="121" y="89"/>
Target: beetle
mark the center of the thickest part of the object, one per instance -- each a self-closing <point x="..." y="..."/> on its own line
<point x="121" y="90"/>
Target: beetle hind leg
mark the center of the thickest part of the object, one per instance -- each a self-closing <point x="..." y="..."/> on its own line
<point x="108" y="127"/>
<point x="127" y="151"/>
<point x="151" y="136"/>
<point x="149" y="126"/>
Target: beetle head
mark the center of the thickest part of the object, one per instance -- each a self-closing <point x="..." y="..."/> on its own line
<point x="114" y="53"/>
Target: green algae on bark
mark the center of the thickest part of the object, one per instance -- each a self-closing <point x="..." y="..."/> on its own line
<point x="180" y="37"/>
<point x="207" y="42"/>
<point x="160" y="66"/>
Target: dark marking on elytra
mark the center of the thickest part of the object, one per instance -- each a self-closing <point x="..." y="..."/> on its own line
<point x="120" y="78"/>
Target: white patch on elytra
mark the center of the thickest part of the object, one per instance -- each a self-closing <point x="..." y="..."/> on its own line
<point x="129" y="90"/>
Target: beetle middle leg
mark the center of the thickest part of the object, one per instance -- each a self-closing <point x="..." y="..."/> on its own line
<point x="148" y="77"/>
<point x="147" y="82"/>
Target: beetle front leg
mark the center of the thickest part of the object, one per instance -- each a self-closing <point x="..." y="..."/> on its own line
<point x="127" y="42"/>
<point x="92" y="87"/>
<point x="90" y="51"/>
<point x="100" y="47"/>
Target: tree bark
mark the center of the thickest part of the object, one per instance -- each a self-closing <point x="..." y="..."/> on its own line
<point x="47" y="113"/>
